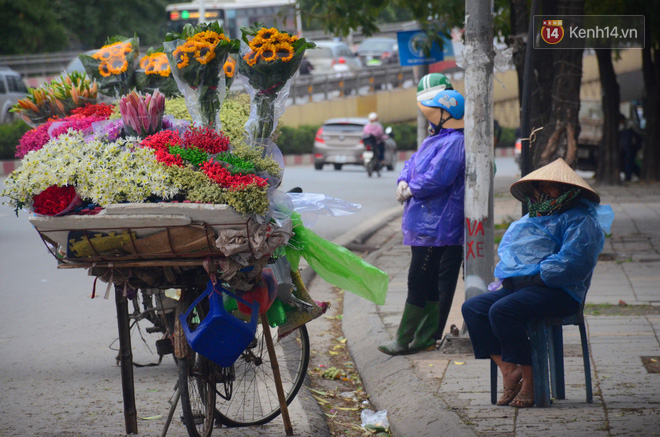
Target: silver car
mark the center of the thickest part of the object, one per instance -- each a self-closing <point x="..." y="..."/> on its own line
<point x="12" y="89"/>
<point x="332" y="57"/>
<point x="339" y="142"/>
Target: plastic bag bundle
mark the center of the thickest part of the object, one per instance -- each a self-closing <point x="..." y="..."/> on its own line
<point x="336" y="264"/>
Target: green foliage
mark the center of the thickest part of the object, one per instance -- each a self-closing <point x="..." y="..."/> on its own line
<point x="175" y="107"/>
<point x="250" y="199"/>
<point x="10" y="134"/>
<point x="254" y="155"/>
<point x="508" y="138"/>
<point x="193" y="156"/>
<point x="296" y="140"/>
<point x="405" y="135"/>
<point x="235" y="164"/>
<point x="233" y="116"/>
<point x="30" y="27"/>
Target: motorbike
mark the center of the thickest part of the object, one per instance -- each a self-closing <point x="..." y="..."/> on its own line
<point x="370" y="155"/>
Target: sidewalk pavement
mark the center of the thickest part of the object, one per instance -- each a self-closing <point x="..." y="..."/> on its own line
<point x="435" y="393"/>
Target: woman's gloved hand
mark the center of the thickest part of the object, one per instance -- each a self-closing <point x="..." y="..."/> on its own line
<point x="403" y="192"/>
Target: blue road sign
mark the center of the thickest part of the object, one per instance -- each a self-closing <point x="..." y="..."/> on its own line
<point x="412" y="45"/>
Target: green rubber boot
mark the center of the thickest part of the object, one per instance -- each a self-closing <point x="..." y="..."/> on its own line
<point x="412" y="316"/>
<point x="425" y="333"/>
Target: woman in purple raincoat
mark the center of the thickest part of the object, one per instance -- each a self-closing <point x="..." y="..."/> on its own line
<point x="432" y="185"/>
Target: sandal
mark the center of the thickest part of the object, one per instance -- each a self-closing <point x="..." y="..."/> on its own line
<point x="522" y="401"/>
<point x="509" y="394"/>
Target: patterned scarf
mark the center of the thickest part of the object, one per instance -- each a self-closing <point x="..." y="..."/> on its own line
<point x="545" y="205"/>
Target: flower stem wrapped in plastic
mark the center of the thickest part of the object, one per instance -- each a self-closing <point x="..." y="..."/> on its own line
<point x="196" y="57"/>
<point x="268" y="60"/>
<point x="142" y="114"/>
<point x="113" y="66"/>
<point x="154" y="73"/>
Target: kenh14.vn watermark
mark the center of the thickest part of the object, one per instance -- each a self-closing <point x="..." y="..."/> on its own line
<point x="589" y="31"/>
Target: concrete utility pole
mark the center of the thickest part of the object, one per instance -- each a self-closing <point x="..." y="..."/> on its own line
<point x="202" y="12"/>
<point x="478" y="57"/>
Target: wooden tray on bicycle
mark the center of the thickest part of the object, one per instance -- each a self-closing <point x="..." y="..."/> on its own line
<point x="140" y="234"/>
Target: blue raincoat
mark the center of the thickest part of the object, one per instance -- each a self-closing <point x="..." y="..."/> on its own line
<point x="562" y="248"/>
<point x="434" y="215"/>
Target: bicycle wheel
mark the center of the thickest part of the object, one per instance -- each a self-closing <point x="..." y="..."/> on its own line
<point x="250" y="397"/>
<point x="197" y="384"/>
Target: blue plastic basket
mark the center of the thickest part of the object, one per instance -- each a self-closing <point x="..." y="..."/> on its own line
<point x="220" y="337"/>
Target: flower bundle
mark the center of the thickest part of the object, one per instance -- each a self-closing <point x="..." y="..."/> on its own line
<point x="81" y="119"/>
<point x="155" y="74"/>
<point x="113" y="65"/>
<point x="102" y="173"/>
<point x="204" y="170"/>
<point x="197" y="57"/>
<point x="142" y="114"/>
<point x="56" y="200"/>
<point x="269" y="59"/>
<point x="56" y="99"/>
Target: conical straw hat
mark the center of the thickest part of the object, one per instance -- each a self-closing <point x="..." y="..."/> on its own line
<point x="556" y="171"/>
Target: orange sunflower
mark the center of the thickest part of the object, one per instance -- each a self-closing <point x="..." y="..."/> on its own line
<point x="104" y="69"/>
<point x="117" y="64"/>
<point x="252" y="57"/>
<point x="284" y="51"/>
<point x="229" y="67"/>
<point x="205" y="52"/>
<point x="268" y="52"/>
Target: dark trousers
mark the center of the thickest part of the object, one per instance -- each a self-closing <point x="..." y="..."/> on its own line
<point x="629" y="164"/>
<point x="496" y="320"/>
<point x="432" y="277"/>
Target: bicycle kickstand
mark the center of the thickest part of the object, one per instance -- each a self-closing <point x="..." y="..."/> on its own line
<point x="174" y="400"/>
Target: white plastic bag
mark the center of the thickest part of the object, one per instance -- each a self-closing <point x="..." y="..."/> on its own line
<point x="375" y="421"/>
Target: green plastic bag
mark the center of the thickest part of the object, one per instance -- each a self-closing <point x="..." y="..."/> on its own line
<point x="336" y="264"/>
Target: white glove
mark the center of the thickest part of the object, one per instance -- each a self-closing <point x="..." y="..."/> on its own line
<point x="403" y="192"/>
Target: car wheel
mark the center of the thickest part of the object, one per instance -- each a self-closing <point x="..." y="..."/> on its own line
<point x="318" y="166"/>
<point x="338" y="166"/>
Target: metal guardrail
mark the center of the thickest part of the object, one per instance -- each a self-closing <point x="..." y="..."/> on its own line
<point x="304" y="88"/>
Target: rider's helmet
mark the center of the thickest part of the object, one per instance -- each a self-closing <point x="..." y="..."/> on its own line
<point x="431" y="84"/>
<point x="373" y="117"/>
<point x="450" y="100"/>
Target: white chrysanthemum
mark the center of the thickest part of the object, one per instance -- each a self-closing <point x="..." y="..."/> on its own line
<point x="102" y="172"/>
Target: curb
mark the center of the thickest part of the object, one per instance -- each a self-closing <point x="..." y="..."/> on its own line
<point x="9" y="166"/>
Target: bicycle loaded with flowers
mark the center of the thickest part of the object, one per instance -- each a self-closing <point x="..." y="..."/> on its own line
<point x="146" y="199"/>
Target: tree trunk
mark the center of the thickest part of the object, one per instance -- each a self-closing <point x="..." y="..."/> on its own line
<point x="518" y="39"/>
<point x="651" y="148"/>
<point x="555" y="101"/>
<point x="609" y="152"/>
<point x="559" y="74"/>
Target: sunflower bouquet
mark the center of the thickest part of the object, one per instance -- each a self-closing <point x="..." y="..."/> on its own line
<point x="113" y="65"/>
<point x="154" y="73"/>
<point x="269" y="58"/>
<point x="196" y="57"/>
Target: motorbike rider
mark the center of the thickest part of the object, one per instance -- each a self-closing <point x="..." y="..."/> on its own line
<point x="374" y="129"/>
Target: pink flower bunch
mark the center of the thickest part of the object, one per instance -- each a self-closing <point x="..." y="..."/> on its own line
<point x="34" y="139"/>
<point x="76" y="123"/>
<point x="142" y="114"/>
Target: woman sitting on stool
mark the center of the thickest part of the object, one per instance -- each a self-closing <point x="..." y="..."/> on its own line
<point x="546" y="262"/>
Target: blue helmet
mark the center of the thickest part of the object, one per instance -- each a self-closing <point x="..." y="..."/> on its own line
<point x="450" y="100"/>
